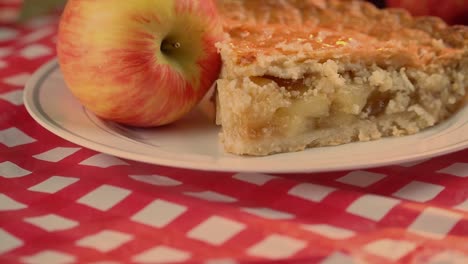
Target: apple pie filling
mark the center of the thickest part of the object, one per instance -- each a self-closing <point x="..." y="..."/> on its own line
<point x="332" y="99"/>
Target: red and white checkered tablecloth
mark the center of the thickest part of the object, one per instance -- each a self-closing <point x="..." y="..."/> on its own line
<point x="62" y="203"/>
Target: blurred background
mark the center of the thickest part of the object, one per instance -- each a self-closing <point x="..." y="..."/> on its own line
<point x="14" y="11"/>
<point x="452" y="11"/>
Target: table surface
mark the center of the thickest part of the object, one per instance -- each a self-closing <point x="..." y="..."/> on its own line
<point x="62" y="203"/>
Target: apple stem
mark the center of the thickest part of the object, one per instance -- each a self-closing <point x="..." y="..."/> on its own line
<point x="169" y="46"/>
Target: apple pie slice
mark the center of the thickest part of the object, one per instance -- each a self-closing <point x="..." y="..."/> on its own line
<point x="309" y="73"/>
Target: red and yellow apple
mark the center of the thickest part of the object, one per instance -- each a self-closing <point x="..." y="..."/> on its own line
<point x="452" y="11"/>
<point x="141" y="62"/>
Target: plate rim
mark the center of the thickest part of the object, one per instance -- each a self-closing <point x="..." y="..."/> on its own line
<point x="44" y="71"/>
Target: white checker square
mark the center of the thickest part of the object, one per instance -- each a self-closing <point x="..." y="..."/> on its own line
<point x="216" y="230"/>
<point x="311" y="192"/>
<point x="449" y="257"/>
<point x="221" y="261"/>
<point x="53" y="184"/>
<point x="7" y="34"/>
<point x="38" y="22"/>
<point x="105" y="262"/>
<point x="8" y="14"/>
<point x="462" y="206"/>
<point x="105" y="240"/>
<point x="268" y="213"/>
<point x="277" y="247"/>
<point x="329" y="231"/>
<point x="159" y="213"/>
<point x="3" y="64"/>
<point x="9" y="242"/>
<point x="254" y="178"/>
<point x="103" y="161"/>
<point x="14" y="97"/>
<point x="13" y="137"/>
<point x="456" y="169"/>
<point x="56" y="154"/>
<point x="338" y="258"/>
<point x="35" y="51"/>
<point x="11" y="170"/>
<point x="17" y="80"/>
<point x="162" y="254"/>
<point x="435" y="222"/>
<point x="5" y="52"/>
<point x="52" y="222"/>
<point x="419" y="191"/>
<point x="49" y="257"/>
<point x="373" y="207"/>
<point x="212" y="196"/>
<point x="157" y="180"/>
<point x="38" y="34"/>
<point x="413" y="163"/>
<point x="104" y="197"/>
<point x="390" y="249"/>
<point x="8" y="204"/>
<point x="361" y="178"/>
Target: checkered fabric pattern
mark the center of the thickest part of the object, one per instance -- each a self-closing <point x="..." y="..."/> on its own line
<point x="62" y="203"/>
<point x="9" y="10"/>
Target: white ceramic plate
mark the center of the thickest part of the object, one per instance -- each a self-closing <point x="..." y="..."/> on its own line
<point x="193" y="142"/>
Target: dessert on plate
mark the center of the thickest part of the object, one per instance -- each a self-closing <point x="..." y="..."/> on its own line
<point x="309" y="73"/>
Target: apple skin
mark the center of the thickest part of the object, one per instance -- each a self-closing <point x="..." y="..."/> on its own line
<point x="452" y="11"/>
<point x="142" y="63"/>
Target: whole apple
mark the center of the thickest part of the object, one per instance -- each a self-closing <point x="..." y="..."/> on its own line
<point x="142" y="62"/>
<point x="452" y="11"/>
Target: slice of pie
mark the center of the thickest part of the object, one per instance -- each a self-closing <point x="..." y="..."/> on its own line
<point x="309" y="73"/>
